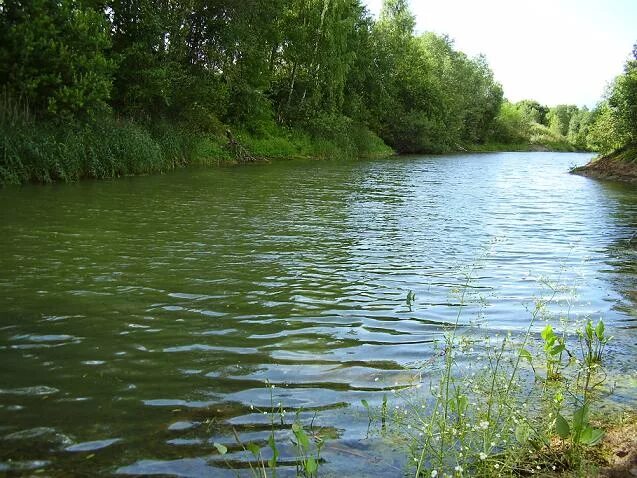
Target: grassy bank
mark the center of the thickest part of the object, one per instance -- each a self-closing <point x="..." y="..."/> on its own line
<point x="620" y="165"/>
<point x="44" y="152"/>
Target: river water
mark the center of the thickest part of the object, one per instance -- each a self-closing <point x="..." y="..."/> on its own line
<point x="141" y="319"/>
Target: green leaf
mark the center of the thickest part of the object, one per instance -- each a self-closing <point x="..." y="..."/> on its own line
<point x="562" y="428"/>
<point x="220" y="448"/>
<point x="275" y="453"/>
<point x="522" y="433"/>
<point x="463" y="403"/>
<point x="254" y="449"/>
<point x="559" y="348"/>
<point x="526" y="355"/>
<point x="311" y="466"/>
<point x="580" y="418"/>
<point x="589" y="330"/>
<point x="547" y="332"/>
<point x="365" y="404"/>
<point x="599" y="330"/>
<point x="302" y="438"/>
<point x="591" y="436"/>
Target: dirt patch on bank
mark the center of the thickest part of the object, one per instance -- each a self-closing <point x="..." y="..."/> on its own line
<point x="620" y="165"/>
<point x="619" y="449"/>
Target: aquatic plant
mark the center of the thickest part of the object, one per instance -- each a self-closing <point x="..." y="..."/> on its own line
<point x="494" y="417"/>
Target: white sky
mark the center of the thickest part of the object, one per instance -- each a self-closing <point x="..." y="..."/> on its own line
<point x="553" y="51"/>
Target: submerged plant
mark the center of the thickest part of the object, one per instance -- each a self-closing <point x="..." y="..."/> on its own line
<point x="554" y="348"/>
<point x="593" y="341"/>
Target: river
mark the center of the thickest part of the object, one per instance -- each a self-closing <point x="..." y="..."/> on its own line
<point x="141" y="319"/>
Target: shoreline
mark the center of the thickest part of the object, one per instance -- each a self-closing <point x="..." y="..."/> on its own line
<point x="620" y="165"/>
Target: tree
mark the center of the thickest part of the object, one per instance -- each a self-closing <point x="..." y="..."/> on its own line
<point x="53" y="56"/>
<point x="623" y="99"/>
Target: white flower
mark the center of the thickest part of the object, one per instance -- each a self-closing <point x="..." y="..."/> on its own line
<point x="497" y="465"/>
<point x="484" y="424"/>
<point x="483" y="456"/>
<point x="458" y="468"/>
<point x="434" y="473"/>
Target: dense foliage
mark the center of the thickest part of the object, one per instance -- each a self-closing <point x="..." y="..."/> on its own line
<point x="273" y="71"/>
<point x="560" y="128"/>
<point x="615" y="124"/>
<point x="287" y="77"/>
<point x="610" y="126"/>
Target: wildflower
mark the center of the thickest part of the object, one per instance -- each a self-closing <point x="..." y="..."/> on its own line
<point x="251" y="407"/>
<point x="459" y="469"/>
<point x="497" y="465"/>
<point x="484" y="424"/>
<point x="492" y="444"/>
<point x="483" y="455"/>
<point x="434" y="473"/>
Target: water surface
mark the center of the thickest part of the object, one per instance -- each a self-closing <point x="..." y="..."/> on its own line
<point x="141" y="319"/>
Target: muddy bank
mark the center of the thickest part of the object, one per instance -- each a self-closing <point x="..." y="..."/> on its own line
<point x="620" y="165"/>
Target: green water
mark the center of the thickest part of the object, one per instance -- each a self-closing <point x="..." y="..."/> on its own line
<point x="141" y="318"/>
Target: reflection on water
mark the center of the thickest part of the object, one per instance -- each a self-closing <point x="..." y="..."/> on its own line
<point x="140" y="319"/>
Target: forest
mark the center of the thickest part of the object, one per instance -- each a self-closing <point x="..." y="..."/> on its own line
<point x="109" y="88"/>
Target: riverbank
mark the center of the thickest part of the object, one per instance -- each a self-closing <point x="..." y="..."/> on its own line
<point x="617" y="456"/>
<point x="35" y="152"/>
<point x="32" y="152"/>
<point x="620" y="165"/>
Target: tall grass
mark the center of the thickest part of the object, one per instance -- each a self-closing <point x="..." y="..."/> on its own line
<point x="33" y="151"/>
<point x="43" y="152"/>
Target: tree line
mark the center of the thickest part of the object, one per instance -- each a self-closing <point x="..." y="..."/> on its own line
<point x="253" y="64"/>
<point x="290" y="77"/>
<point x="610" y="126"/>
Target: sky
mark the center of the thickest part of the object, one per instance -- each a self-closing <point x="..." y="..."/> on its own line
<point x="552" y="51"/>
